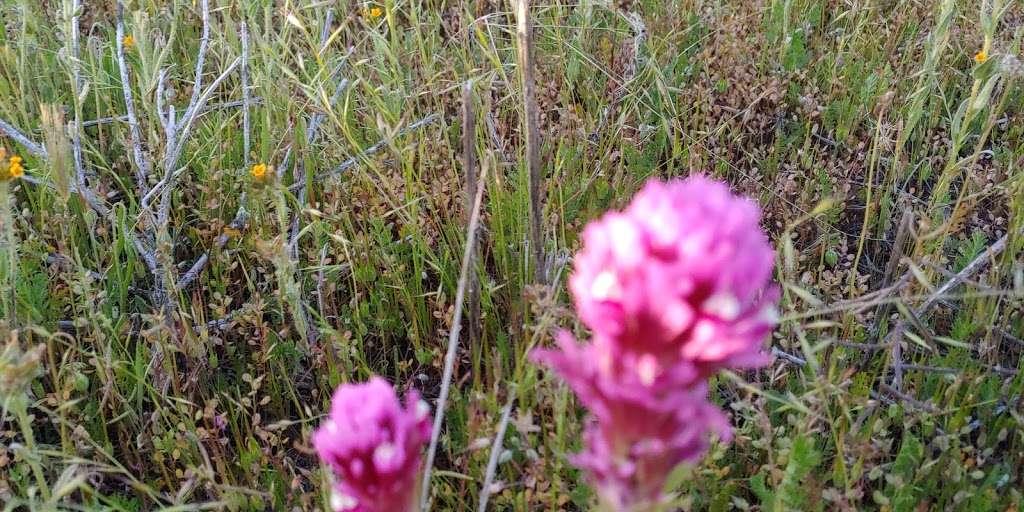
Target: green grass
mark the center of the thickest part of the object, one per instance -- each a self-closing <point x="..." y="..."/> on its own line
<point x="838" y="117"/>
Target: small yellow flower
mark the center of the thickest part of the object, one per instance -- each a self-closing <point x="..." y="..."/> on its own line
<point x="14" y="168"/>
<point x="373" y="12"/>
<point x="259" y="171"/>
<point x="981" y="57"/>
<point x="129" y="41"/>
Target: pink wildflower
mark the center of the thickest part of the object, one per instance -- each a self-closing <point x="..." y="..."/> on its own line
<point x="684" y="271"/>
<point x="373" y="445"/>
<point x="674" y="288"/>
<point x="641" y="430"/>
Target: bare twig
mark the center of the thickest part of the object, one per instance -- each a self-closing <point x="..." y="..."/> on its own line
<point x="453" y="337"/>
<point x="496" y="445"/>
<point x="19" y="137"/>
<point x="1006" y="372"/>
<point x="76" y="136"/>
<point x="141" y="163"/>
<point x="240" y="222"/>
<point x="171" y="158"/>
<point x="209" y="108"/>
<point x="896" y="342"/>
<point x="161" y="82"/>
<point x="1011" y="338"/>
<point x="777" y="352"/>
<point x="469" y="166"/>
<point x="531" y="127"/>
<point x="245" y="93"/>
<point x="902" y="234"/>
<point x="974" y="266"/>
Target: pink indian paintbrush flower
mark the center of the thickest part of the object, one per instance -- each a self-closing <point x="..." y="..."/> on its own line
<point x="675" y="287"/>
<point x="640" y="430"/>
<point x="683" y="272"/>
<point x="373" y="444"/>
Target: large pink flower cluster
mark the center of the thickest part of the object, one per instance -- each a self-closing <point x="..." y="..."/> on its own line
<point x="674" y="288"/>
<point x="374" y="446"/>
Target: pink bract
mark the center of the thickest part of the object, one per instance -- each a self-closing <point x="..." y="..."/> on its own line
<point x="373" y="444"/>
<point x="674" y="288"/>
<point x="683" y="271"/>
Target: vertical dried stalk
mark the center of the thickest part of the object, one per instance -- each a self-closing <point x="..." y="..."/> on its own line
<point x="492" y="461"/>
<point x="531" y="125"/>
<point x="898" y="245"/>
<point x="453" y="337"/>
<point x="245" y="93"/>
<point x="469" y="161"/>
<point x="76" y="134"/>
<point x="141" y="164"/>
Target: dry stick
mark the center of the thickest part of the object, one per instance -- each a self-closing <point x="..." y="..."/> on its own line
<point x="974" y="266"/>
<point x="531" y="123"/>
<point x="1011" y="338"/>
<point x="241" y="215"/>
<point x="76" y="136"/>
<point x="216" y="106"/>
<point x="1006" y="372"/>
<point x="178" y="132"/>
<point x="469" y="162"/>
<point x="779" y="353"/>
<point x="201" y="263"/>
<point x="183" y="130"/>
<point x="453" y="337"/>
<point x="902" y="233"/>
<point x="895" y="337"/>
<point x="21" y="138"/>
<point x="240" y="221"/>
<point x="492" y="461"/>
<point x="141" y="163"/>
<point x="245" y="93"/>
<point x="896" y="342"/>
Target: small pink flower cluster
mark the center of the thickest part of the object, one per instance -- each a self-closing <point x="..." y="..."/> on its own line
<point x="374" y="446"/>
<point x="674" y="288"/>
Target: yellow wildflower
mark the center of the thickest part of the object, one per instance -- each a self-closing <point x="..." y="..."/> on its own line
<point x="258" y="171"/>
<point x="373" y="12"/>
<point x="129" y="41"/>
<point x="261" y="173"/>
<point x="15" y="170"/>
<point x="981" y="57"/>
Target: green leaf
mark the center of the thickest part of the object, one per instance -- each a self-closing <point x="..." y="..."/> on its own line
<point x="803" y="458"/>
